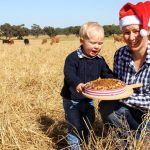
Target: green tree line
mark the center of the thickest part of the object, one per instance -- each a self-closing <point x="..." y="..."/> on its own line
<point x="19" y="31"/>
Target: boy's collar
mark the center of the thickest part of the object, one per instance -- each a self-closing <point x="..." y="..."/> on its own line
<point x="82" y="55"/>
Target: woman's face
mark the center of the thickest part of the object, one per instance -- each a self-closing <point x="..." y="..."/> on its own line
<point x="133" y="39"/>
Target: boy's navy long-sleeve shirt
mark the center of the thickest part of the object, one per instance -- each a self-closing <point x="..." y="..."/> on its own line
<point x="82" y="70"/>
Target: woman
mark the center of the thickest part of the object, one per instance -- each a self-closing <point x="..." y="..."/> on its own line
<point x="132" y="65"/>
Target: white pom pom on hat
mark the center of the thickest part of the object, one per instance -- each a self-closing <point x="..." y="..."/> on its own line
<point x="143" y="32"/>
<point x="136" y="14"/>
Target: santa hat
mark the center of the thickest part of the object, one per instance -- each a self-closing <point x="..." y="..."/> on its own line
<point x="136" y="14"/>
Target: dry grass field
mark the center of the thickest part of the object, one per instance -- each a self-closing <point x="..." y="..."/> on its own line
<point x="31" y="77"/>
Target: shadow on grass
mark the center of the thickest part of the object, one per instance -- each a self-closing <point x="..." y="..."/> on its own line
<point x="56" y="130"/>
<point x="98" y="128"/>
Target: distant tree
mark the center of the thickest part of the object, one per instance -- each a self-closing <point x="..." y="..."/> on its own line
<point x="59" y="31"/>
<point x="6" y="30"/>
<point x="20" y="31"/>
<point x="111" y="29"/>
<point x="50" y="31"/>
<point x="70" y="29"/>
<point x="36" y="30"/>
<point x="66" y="32"/>
<point x="75" y="30"/>
<point x="14" y="31"/>
<point x="1" y="33"/>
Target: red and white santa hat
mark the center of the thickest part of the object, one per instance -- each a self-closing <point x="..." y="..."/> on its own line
<point x="136" y="14"/>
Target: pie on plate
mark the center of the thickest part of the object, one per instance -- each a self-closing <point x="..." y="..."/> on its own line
<point x="105" y="87"/>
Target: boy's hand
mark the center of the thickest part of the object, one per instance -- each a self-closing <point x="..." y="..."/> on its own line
<point x="80" y="87"/>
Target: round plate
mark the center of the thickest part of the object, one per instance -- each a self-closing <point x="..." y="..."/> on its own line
<point x="128" y="92"/>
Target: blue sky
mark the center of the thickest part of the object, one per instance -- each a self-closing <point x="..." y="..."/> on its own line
<point x="60" y="13"/>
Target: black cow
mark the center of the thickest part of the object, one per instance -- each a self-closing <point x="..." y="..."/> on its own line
<point x="26" y="41"/>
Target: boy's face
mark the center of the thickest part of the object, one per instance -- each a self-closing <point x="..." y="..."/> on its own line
<point x="92" y="46"/>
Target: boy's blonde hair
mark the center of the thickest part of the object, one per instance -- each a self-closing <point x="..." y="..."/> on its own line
<point x="89" y="29"/>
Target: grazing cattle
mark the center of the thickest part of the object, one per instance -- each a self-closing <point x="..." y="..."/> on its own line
<point x="8" y="41"/>
<point x="118" y="38"/>
<point x="54" y="39"/>
<point x="44" y="41"/>
<point x="26" y="41"/>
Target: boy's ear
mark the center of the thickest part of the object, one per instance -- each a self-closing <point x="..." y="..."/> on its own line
<point x="149" y="33"/>
<point x="81" y="40"/>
